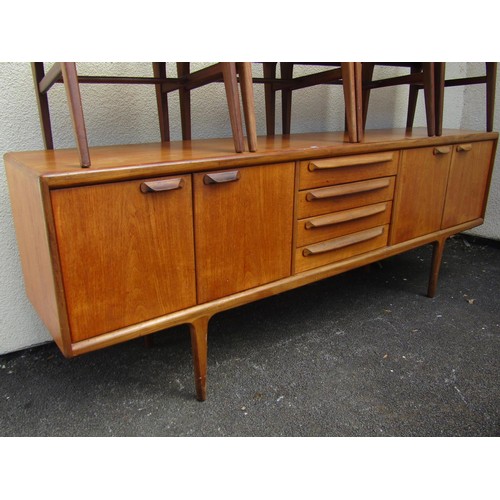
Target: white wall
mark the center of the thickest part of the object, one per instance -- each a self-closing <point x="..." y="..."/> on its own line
<point x="474" y="118"/>
<point x="127" y="114"/>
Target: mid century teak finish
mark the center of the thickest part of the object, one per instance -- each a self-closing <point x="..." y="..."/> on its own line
<point x="184" y="83"/>
<point x="157" y="235"/>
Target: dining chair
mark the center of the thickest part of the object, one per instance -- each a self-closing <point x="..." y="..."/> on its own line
<point x="421" y="75"/>
<point x="227" y="72"/>
<point x="347" y="74"/>
<point x="488" y="78"/>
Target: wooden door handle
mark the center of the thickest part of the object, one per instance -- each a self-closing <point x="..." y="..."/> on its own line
<point x="345" y="216"/>
<point x="221" y="177"/>
<point x="351" y="188"/>
<point x="162" y="185"/>
<point x="442" y="150"/>
<point x="464" y="147"/>
<point x="343" y="241"/>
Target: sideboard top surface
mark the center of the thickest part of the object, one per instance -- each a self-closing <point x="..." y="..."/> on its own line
<point x="60" y="168"/>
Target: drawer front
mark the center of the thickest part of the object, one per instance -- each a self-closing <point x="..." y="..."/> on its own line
<point x="324" y="227"/>
<point x="344" y="247"/>
<point x="328" y="171"/>
<point x="344" y="196"/>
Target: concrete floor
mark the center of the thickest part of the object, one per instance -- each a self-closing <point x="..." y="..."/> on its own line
<point x="361" y="354"/>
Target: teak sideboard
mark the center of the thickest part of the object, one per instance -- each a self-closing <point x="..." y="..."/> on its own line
<point x="157" y="235"/>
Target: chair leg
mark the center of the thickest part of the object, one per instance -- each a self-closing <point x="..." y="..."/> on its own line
<point x="246" y="84"/>
<point x="184" y="101"/>
<point x="349" y="84"/>
<point x="358" y="79"/>
<point x="367" y="77"/>
<point x="430" y="99"/>
<point x="233" y="102"/>
<point x="412" y="98"/>
<point x="43" y="105"/>
<point x="199" y="334"/>
<point x="160" y="71"/>
<point x="70" y="79"/>
<point x="491" y="79"/>
<point x="286" y="98"/>
<point x="439" y="78"/>
<point x="269" y="69"/>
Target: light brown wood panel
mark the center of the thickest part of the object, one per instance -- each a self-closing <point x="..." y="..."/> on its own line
<point x="111" y="163"/>
<point x="321" y="201"/>
<point x="328" y="171"/>
<point x="31" y="212"/>
<point x="344" y="247"/>
<point x="324" y="227"/>
<point x="468" y="182"/>
<point x="126" y="256"/>
<point x="420" y="192"/>
<point x="243" y="229"/>
<point x="192" y="314"/>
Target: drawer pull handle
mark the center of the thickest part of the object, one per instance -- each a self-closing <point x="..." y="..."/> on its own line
<point x="221" y="177"/>
<point x="344" y="241"/>
<point x="442" y="150"/>
<point x="351" y="188"/>
<point x="345" y="216"/>
<point x="162" y="185"/>
<point x="350" y="161"/>
<point x="464" y="147"/>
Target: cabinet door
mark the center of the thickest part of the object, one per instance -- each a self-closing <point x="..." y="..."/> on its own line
<point x="243" y="228"/>
<point x="468" y="183"/>
<point x="126" y="252"/>
<point x="420" y="192"/>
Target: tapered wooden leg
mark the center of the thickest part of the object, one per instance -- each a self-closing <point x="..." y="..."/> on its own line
<point x="430" y="98"/>
<point x="286" y="98"/>
<point x="439" y="77"/>
<point x="199" y="331"/>
<point x="367" y="77"/>
<point x="358" y="84"/>
<point x="43" y="105"/>
<point x="184" y="102"/>
<point x="412" y="98"/>
<point x="160" y="71"/>
<point x="148" y="341"/>
<point x="437" y="255"/>
<point x="269" y="69"/>
<point x="491" y="79"/>
<point x="349" y="84"/>
<point x="233" y="102"/>
<point x="246" y="83"/>
<point x="70" y="79"/>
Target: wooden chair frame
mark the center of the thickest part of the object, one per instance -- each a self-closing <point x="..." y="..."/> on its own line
<point x="347" y="74"/>
<point x="227" y="72"/>
<point x="489" y="79"/>
<point x="422" y="75"/>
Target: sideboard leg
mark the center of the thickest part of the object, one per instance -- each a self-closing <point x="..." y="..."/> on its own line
<point x="437" y="255"/>
<point x="199" y="331"/>
<point x="148" y="341"/>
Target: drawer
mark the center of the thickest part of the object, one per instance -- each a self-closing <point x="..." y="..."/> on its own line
<point x="344" y="247"/>
<point x="324" y="227"/>
<point x="328" y="171"/>
<point x="344" y="196"/>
